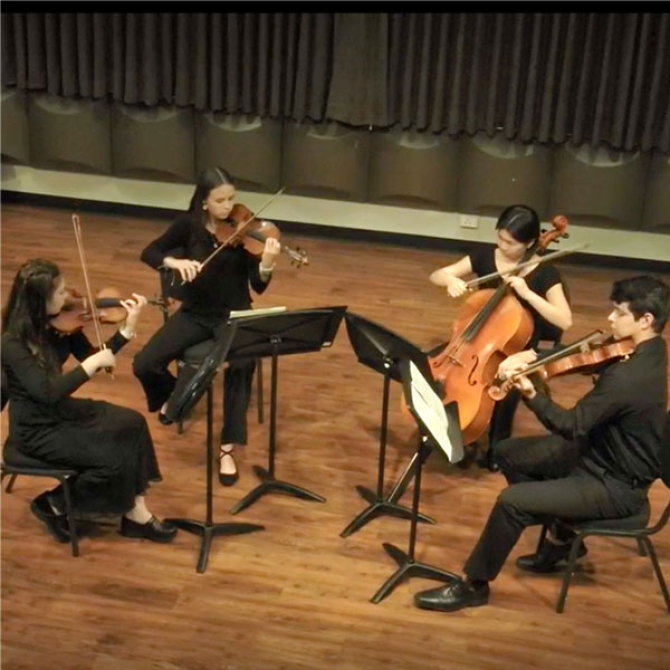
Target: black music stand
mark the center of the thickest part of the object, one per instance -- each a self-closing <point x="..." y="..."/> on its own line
<point x="180" y="404"/>
<point x="381" y="349"/>
<point x="283" y="333"/>
<point x="438" y="424"/>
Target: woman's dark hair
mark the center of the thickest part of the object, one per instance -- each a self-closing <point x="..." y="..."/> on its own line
<point x="521" y="222"/>
<point x="208" y="180"/>
<point x="25" y="314"/>
<point x="644" y="294"/>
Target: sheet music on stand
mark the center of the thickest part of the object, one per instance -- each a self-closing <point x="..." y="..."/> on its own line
<point x="263" y="311"/>
<point x="434" y="415"/>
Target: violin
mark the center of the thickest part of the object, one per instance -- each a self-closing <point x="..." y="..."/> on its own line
<point x="77" y="313"/>
<point x="592" y="353"/>
<point x="252" y="233"/>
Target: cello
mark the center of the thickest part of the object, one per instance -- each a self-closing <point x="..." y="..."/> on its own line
<point x="491" y="325"/>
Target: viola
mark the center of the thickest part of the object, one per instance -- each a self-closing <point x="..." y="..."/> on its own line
<point x="592" y="353"/>
<point x="77" y="313"/>
<point x="252" y="234"/>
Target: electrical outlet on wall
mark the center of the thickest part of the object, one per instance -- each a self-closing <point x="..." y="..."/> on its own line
<point x="469" y="221"/>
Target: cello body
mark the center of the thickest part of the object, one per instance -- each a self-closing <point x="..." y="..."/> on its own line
<point x="491" y="326"/>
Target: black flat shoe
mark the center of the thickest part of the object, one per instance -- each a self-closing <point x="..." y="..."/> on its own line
<point x="154" y="530"/>
<point x="56" y="523"/>
<point x="453" y="597"/>
<point x="548" y="558"/>
<point x="230" y="478"/>
<point x="162" y="418"/>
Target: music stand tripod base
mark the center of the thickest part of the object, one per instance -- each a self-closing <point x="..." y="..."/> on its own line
<point x="376" y="507"/>
<point x="179" y="405"/>
<point x="408" y="567"/>
<point x="208" y="531"/>
<point x="271" y="485"/>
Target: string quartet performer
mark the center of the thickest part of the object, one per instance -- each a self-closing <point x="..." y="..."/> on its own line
<point x="539" y="288"/>
<point x="109" y="445"/>
<point x="598" y="460"/>
<point x="211" y="290"/>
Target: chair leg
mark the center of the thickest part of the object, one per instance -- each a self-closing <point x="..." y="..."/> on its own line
<point x="259" y="388"/>
<point x="74" y="542"/>
<point x="567" y="574"/>
<point x="641" y="545"/>
<point x="542" y="537"/>
<point x="10" y="483"/>
<point x="651" y="552"/>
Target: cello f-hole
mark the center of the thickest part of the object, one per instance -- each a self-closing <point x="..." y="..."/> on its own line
<point x="471" y="381"/>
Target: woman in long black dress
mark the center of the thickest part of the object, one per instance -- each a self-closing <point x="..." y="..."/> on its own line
<point x="109" y="445"/>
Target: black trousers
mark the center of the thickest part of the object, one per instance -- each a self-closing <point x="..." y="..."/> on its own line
<point x="548" y="478"/>
<point x="181" y="331"/>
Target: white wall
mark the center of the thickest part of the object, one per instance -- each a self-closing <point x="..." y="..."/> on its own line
<point x="316" y="211"/>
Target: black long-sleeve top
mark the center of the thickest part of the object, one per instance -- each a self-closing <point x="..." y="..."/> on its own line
<point x="620" y="422"/>
<point x="39" y="400"/>
<point x="223" y="284"/>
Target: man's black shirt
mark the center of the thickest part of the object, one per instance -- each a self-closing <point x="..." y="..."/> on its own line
<point x="620" y="422"/>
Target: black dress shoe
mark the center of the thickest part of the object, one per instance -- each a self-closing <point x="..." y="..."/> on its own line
<point x="154" y="530"/>
<point x="162" y="418"/>
<point x="453" y="597"/>
<point x="548" y="558"/>
<point x="56" y="523"/>
<point x="228" y="479"/>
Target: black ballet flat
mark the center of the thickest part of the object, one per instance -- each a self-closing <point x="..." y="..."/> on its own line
<point x="154" y="530"/>
<point x="231" y="478"/>
<point x="162" y="418"/>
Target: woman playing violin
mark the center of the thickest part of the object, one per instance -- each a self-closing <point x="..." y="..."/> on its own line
<point x="209" y="294"/>
<point x="109" y="445"/>
<point x="539" y="289"/>
<point x="598" y="461"/>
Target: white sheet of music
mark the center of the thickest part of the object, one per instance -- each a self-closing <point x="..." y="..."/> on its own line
<point x="241" y="313"/>
<point x="430" y="409"/>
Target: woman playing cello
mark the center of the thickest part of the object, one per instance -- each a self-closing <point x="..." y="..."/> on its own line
<point x="539" y="288"/>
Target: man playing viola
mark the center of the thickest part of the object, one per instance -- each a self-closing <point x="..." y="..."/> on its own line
<point x="598" y="461"/>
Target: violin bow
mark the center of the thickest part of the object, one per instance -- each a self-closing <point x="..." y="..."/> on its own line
<point x="241" y="227"/>
<point x="82" y="259"/>
<point x="520" y="266"/>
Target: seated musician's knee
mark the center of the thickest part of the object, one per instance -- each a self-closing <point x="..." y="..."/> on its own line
<point x="502" y="452"/>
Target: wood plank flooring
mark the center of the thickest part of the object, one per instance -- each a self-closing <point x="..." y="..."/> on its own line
<point x="297" y="596"/>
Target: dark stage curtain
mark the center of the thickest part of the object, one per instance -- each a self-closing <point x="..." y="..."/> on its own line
<point x="601" y="78"/>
